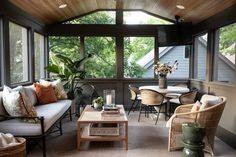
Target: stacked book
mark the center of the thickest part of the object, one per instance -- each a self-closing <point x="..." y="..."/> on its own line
<point x="110" y="111"/>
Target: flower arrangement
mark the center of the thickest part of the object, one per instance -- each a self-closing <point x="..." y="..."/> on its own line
<point x="163" y="69"/>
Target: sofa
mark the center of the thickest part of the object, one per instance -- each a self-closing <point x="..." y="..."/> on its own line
<point x="49" y="116"/>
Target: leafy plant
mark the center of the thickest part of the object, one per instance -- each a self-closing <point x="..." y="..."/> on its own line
<point x="98" y="100"/>
<point x="69" y="71"/>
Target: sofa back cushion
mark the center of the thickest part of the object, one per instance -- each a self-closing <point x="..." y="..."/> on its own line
<point x="2" y="109"/>
<point x="31" y="94"/>
<point x="17" y="103"/>
<point x="45" y="94"/>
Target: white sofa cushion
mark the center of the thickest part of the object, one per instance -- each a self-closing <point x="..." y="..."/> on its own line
<point x="31" y="94"/>
<point x="2" y="109"/>
<point x="51" y="112"/>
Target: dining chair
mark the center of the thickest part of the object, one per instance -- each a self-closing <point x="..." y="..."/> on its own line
<point x="151" y="99"/>
<point x="134" y="97"/>
<point x="184" y="98"/>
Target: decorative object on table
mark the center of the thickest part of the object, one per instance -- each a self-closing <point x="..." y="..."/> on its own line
<point x="109" y="110"/>
<point x="109" y="97"/>
<point x="11" y="146"/>
<point x="98" y="102"/>
<point x="193" y="134"/>
<point x="162" y="70"/>
<point x="70" y="72"/>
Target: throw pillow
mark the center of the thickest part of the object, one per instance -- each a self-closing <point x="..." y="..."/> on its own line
<point x="196" y="106"/>
<point x="57" y="86"/>
<point x="45" y="94"/>
<point x="17" y="103"/>
<point x="210" y="103"/>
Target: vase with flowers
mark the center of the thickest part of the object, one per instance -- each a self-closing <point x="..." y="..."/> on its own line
<point x="162" y="69"/>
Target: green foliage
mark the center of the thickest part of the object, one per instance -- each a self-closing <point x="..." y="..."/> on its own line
<point x="103" y="62"/>
<point x="98" y="100"/>
<point x="67" y="46"/>
<point x="100" y="17"/>
<point x="134" y="49"/>
<point x="227" y="42"/>
<point x="68" y="70"/>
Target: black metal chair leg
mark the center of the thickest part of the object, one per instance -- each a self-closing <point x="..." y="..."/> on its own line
<point x="140" y="110"/>
<point x="131" y="106"/>
<point x="70" y="112"/>
<point x="60" y="127"/>
<point x="138" y="102"/>
<point x="43" y="136"/>
<point x="158" y="114"/>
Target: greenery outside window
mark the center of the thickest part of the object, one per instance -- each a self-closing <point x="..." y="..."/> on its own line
<point x="99" y="17"/>
<point x="103" y="62"/>
<point x="138" y="57"/>
<point x="67" y="46"/>
<point x="140" y="17"/>
<point x="200" y="55"/>
<point x="19" y="62"/>
<point x="39" y="54"/>
<point x="225" y="49"/>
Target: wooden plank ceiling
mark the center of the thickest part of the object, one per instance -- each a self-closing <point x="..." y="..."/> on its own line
<point x="195" y="10"/>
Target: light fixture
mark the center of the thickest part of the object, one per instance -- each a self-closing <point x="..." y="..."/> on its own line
<point x="62" y="4"/>
<point x="179" y="6"/>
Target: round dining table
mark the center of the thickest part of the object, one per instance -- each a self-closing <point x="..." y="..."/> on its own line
<point x="169" y="89"/>
<point x="169" y="92"/>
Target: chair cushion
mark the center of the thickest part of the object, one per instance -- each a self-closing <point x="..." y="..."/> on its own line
<point x="175" y="101"/>
<point x="51" y="112"/>
<point x="45" y="94"/>
<point x="209" y="100"/>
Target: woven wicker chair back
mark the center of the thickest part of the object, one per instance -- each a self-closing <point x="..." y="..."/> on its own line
<point x="150" y="97"/>
<point x="188" y="98"/>
<point x="133" y="95"/>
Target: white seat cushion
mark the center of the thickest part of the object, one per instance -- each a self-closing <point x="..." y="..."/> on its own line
<point x="51" y="112"/>
<point x="175" y="101"/>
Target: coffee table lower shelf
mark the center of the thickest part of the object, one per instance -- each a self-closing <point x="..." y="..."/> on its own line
<point x="83" y="135"/>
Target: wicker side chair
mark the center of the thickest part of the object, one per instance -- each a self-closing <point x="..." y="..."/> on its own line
<point x="151" y="99"/>
<point x="183" y="99"/>
<point x="134" y="97"/>
<point x="209" y="117"/>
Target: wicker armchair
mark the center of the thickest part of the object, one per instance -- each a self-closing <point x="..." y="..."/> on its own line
<point x="209" y="117"/>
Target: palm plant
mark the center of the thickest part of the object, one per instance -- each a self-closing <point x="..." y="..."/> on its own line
<point x="69" y="71"/>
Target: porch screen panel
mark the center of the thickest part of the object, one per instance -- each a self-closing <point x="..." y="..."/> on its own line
<point x="39" y="53"/>
<point x="138" y="57"/>
<point x="180" y="53"/>
<point x="200" y="56"/>
<point x="225" y="49"/>
<point x="19" y="62"/>
<point x="103" y="61"/>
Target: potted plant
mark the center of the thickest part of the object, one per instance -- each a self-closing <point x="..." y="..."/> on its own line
<point x="98" y="102"/>
<point x="68" y="71"/>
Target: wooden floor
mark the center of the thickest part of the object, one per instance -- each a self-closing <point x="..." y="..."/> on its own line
<point x="145" y="140"/>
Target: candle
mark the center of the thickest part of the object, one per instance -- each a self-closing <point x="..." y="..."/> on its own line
<point x="109" y="99"/>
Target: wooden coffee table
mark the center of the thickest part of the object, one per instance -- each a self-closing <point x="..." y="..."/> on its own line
<point x="90" y="115"/>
